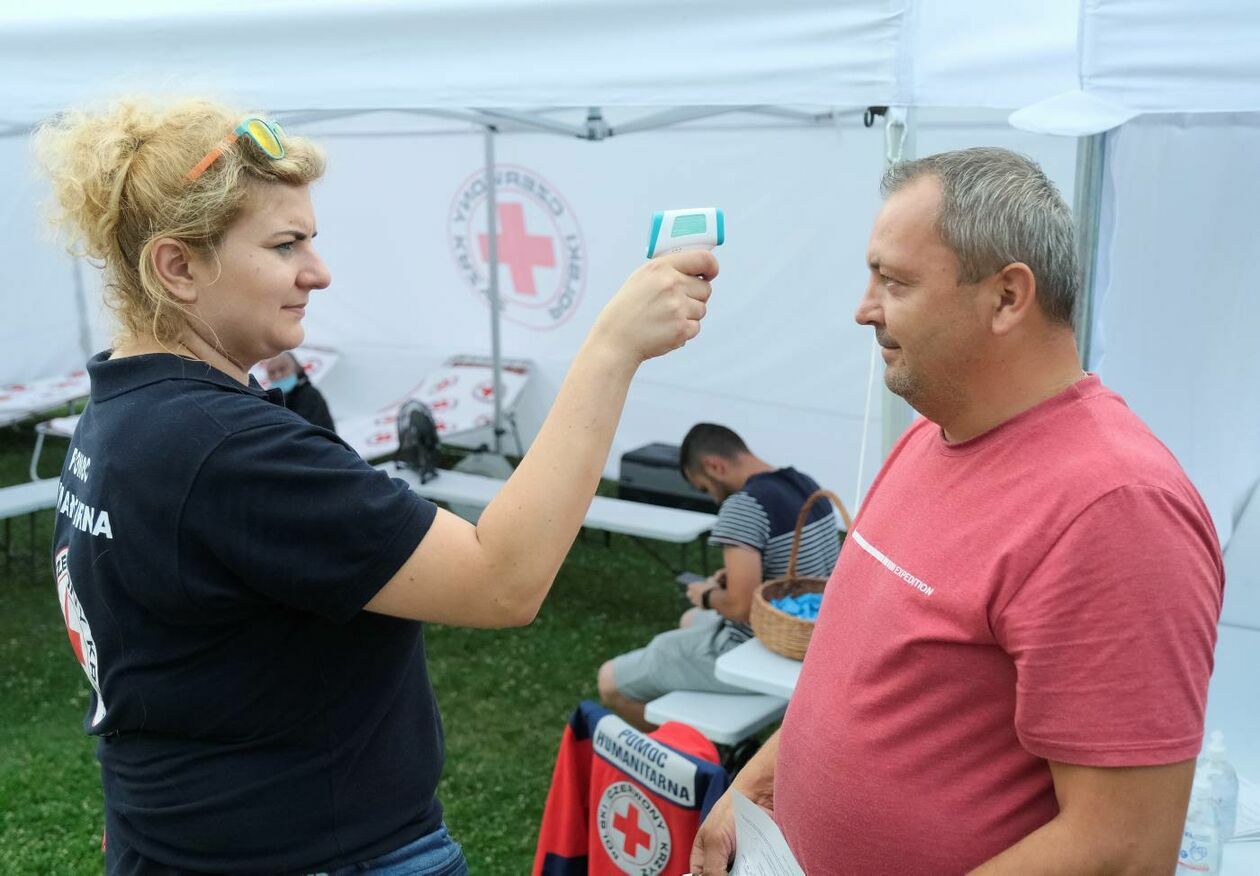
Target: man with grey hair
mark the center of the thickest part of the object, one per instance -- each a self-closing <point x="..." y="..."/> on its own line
<point x="1010" y="669"/>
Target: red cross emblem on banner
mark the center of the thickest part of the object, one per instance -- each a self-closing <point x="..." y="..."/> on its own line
<point x="628" y="825"/>
<point x="518" y="249"/>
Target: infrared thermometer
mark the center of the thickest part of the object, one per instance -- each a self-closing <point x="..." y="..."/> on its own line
<point x="676" y="230"/>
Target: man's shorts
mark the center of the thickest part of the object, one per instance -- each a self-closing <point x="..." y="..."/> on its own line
<point x="681" y="659"/>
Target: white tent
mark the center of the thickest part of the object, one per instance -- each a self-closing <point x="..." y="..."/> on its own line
<point x="780" y="360"/>
<point x="401" y="93"/>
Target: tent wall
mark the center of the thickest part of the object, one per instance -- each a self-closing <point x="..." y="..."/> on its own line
<point x="1178" y="315"/>
<point x="40" y="324"/>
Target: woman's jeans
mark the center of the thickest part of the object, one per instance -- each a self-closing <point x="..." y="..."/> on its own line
<point x="434" y="854"/>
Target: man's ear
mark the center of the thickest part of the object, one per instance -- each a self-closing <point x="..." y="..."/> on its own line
<point x="172" y="262"/>
<point x="1014" y="298"/>
<point x="714" y="466"/>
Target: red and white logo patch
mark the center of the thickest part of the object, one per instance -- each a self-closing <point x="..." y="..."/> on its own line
<point x="445" y="383"/>
<point x="78" y="629"/>
<point x="633" y="831"/>
<point x="541" y="250"/>
<point x="484" y="391"/>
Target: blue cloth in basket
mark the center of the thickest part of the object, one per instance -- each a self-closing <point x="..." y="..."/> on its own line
<point x="804" y="606"/>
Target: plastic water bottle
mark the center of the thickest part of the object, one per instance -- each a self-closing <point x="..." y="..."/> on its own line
<point x="1223" y="781"/>
<point x="1201" y="838"/>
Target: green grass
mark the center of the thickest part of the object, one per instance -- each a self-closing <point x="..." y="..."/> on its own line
<point x="505" y="696"/>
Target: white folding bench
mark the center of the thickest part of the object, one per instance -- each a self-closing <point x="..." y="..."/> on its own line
<point x="723" y="718"/>
<point x="20" y="401"/>
<point x="25" y="499"/>
<point x="635" y="519"/>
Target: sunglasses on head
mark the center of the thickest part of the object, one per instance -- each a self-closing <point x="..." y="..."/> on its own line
<point x="268" y="136"/>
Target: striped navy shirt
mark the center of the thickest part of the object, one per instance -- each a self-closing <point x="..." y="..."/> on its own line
<point x="762" y="516"/>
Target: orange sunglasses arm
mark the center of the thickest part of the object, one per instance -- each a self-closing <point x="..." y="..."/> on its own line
<point x="211" y="157"/>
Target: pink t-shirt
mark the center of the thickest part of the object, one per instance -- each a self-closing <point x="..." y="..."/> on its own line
<point x="1046" y="591"/>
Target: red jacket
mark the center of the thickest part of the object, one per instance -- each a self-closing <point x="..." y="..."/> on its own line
<point x="635" y="806"/>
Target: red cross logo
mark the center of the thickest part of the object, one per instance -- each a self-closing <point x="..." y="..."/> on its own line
<point x="484" y="391"/>
<point x="76" y="640"/>
<point x="442" y="404"/>
<point x="636" y="836"/>
<point x="443" y="384"/>
<point x="518" y="249"/>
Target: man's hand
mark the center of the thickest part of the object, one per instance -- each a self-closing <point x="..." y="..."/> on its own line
<point x="697" y="589"/>
<point x="714" y="847"/>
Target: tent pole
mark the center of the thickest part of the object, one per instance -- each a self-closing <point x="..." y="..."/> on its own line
<point x="899" y="145"/>
<point x="81" y="305"/>
<point x="1091" y="154"/>
<point x="492" y="232"/>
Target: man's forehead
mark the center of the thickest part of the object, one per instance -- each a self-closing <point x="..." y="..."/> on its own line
<point x="913" y="206"/>
<point x="907" y="219"/>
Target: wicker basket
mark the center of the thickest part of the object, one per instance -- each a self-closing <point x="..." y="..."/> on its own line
<point x="778" y="630"/>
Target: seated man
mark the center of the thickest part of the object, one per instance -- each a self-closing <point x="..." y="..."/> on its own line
<point x="300" y="395"/>
<point x="755" y="526"/>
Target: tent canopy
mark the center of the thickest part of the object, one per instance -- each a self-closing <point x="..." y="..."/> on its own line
<point x="339" y="54"/>
<point x="1156" y="56"/>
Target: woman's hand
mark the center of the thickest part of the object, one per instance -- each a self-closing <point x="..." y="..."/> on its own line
<point x="659" y="307"/>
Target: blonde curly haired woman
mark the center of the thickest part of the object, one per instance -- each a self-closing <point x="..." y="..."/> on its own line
<point x="244" y="593"/>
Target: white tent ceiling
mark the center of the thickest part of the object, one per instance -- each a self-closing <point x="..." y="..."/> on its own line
<point x="337" y="54"/>
<point x="1156" y="56"/>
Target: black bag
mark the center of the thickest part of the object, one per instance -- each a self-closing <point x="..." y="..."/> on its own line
<point x="418" y="443"/>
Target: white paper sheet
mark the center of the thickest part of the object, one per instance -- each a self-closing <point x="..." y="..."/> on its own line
<point x="1248" y="825"/>
<point x="760" y="849"/>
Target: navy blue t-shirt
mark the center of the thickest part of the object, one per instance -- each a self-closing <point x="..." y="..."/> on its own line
<point x="213" y="552"/>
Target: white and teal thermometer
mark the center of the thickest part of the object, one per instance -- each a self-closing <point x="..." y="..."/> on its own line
<point x="676" y="230"/>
